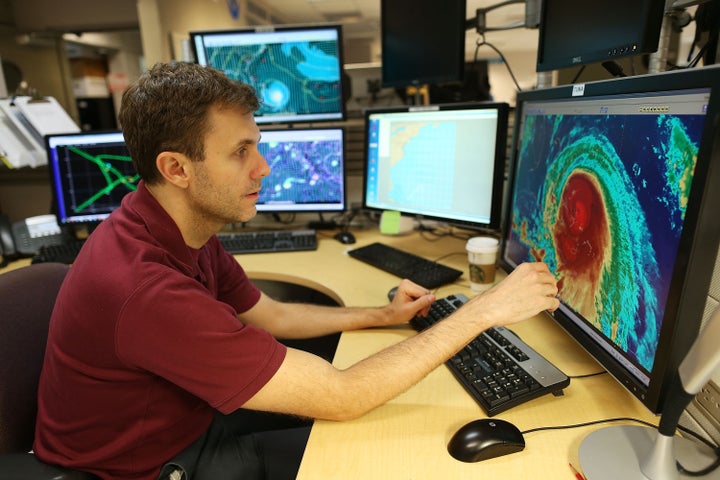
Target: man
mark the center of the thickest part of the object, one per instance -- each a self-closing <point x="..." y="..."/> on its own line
<point x="157" y="329"/>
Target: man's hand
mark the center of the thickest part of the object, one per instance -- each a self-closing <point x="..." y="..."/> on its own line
<point x="527" y="291"/>
<point x="410" y="300"/>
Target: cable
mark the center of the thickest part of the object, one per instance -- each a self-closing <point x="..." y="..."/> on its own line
<point x="701" y="473"/>
<point x="480" y="42"/>
<point x="588" y="424"/>
<point x="577" y="75"/>
<point x="586" y="375"/>
<point x="448" y="255"/>
<point x="710" y="468"/>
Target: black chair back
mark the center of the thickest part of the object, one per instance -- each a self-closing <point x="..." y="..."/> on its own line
<point x="27" y="296"/>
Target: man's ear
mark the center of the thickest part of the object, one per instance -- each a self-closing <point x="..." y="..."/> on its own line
<point x="174" y="167"/>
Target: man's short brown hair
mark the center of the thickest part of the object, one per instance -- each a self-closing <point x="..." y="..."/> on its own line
<point x="167" y="108"/>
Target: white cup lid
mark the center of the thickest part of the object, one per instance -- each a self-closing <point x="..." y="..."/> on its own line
<point x="482" y="244"/>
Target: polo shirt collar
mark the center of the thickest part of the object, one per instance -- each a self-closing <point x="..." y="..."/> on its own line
<point x="163" y="228"/>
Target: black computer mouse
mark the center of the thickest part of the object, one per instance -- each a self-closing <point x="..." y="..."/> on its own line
<point x="392" y="292"/>
<point x="345" y="237"/>
<point x="484" y="439"/>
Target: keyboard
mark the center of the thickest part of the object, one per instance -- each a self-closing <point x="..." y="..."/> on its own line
<point x="497" y="369"/>
<point x="60" y="252"/>
<point x="269" y="241"/>
<point x="404" y="264"/>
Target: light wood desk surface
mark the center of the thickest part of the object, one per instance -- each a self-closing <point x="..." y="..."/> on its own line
<point x="407" y="437"/>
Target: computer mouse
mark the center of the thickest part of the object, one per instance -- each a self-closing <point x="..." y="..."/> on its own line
<point x="392" y="292"/>
<point x="484" y="439"/>
<point x="345" y="237"/>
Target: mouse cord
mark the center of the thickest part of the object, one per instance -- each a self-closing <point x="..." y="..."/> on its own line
<point x="699" y="437"/>
<point x="587" y="424"/>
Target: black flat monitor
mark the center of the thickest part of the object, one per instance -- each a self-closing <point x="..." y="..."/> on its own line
<point x="90" y="173"/>
<point x="439" y="162"/>
<point x="422" y="41"/>
<point x="575" y="33"/>
<point x="296" y="70"/>
<point x="615" y="185"/>
<point x="307" y="170"/>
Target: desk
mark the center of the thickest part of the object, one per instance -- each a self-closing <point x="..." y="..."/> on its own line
<point x="406" y="438"/>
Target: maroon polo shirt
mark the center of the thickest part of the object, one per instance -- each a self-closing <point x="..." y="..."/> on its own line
<point x="145" y="347"/>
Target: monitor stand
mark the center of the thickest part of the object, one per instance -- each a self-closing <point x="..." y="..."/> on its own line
<point x="617" y="452"/>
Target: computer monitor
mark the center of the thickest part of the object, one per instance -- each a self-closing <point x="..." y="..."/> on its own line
<point x="575" y="33"/>
<point x="307" y="170"/>
<point x="422" y="41"/>
<point x="296" y="70"/>
<point x="440" y="162"/>
<point x="615" y="185"/>
<point x="90" y="173"/>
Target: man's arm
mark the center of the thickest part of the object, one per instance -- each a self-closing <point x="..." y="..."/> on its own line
<point x="296" y="320"/>
<point x="307" y="385"/>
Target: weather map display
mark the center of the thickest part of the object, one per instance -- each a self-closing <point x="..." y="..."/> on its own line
<point x="306" y="170"/>
<point x="600" y="195"/>
<point x="91" y="173"/>
<point x="295" y="71"/>
<point x="420" y="162"/>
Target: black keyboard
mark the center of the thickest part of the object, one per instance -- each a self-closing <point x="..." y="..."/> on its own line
<point x="499" y="370"/>
<point x="269" y="241"/>
<point x="60" y="253"/>
<point x="404" y="264"/>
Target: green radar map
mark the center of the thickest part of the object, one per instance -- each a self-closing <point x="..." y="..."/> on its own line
<point x="96" y="178"/>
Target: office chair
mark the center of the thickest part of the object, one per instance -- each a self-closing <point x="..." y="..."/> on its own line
<point x="27" y="296"/>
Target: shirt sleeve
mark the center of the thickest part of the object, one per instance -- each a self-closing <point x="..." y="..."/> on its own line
<point x="233" y="286"/>
<point x="175" y="328"/>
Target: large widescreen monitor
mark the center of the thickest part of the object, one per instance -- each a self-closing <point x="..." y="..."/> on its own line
<point x="438" y="162"/>
<point x="307" y="170"/>
<point x="296" y="70"/>
<point x="615" y="185"/>
<point x="90" y="173"/>
<point x="575" y="33"/>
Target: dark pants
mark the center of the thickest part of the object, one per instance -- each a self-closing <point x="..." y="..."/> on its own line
<point x="244" y="445"/>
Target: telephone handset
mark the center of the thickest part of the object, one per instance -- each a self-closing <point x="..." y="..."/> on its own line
<point x="24" y="238"/>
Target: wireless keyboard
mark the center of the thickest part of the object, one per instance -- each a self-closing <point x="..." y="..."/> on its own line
<point x="497" y="369"/>
<point x="404" y="264"/>
<point x="269" y="241"/>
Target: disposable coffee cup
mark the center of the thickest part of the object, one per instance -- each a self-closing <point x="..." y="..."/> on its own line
<point x="482" y="257"/>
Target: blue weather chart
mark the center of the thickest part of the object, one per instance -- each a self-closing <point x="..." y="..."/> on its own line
<point x="289" y="77"/>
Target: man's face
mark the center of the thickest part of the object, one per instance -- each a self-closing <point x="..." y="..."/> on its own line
<point x="227" y="183"/>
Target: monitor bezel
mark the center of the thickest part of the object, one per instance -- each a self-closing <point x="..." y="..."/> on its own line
<point x="54" y="172"/>
<point x="310" y="207"/>
<point x="499" y="162"/>
<point x="286" y="118"/>
<point x="647" y="40"/>
<point x="698" y="243"/>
